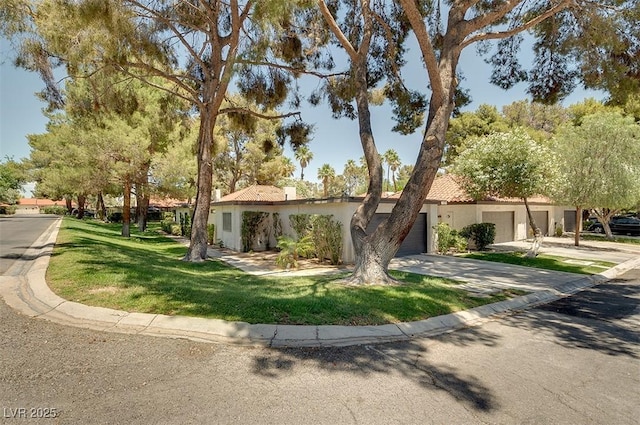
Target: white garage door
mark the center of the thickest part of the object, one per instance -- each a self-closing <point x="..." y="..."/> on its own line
<point x="504" y="222"/>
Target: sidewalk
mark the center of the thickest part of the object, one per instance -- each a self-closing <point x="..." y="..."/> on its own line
<point x="29" y="294"/>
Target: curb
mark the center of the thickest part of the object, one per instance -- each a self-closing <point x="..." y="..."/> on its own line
<point x="30" y="295"/>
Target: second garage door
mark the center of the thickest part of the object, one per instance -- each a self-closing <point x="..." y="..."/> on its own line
<point x="504" y="224"/>
<point x="416" y="240"/>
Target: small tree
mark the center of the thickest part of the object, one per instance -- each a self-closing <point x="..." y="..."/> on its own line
<point x="507" y="165"/>
<point x="599" y="165"/>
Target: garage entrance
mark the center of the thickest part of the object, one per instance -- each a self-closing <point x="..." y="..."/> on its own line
<point x="542" y="220"/>
<point x="569" y="221"/>
<point x="416" y="240"/>
<point x="504" y="221"/>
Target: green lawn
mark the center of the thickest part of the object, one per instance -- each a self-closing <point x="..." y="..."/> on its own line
<point x="543" y="261"/>
<point x="616" y="238"/>
<point x="94" y="265"/>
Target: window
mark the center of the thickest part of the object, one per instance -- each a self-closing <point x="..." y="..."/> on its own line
<point x="226" y="222"/>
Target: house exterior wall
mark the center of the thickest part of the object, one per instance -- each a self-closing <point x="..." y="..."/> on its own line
<point x="340" y="210"/>
<point x="461" y="215"/>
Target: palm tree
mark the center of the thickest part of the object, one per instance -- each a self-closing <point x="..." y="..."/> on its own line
<point x="304" y="156"/>
<point x="326" y="173"/>
<point x="393" y="163"/>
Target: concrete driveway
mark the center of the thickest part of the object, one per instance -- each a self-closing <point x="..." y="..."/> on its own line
<point x="483" y="275"/>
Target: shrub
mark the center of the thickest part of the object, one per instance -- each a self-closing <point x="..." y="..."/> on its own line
<point x="185" y="225"/>
<point x="559" y="231"/>
<point x="448" y="238"/>
<point x="327" y="238"/>
<point x="291" y="250"/>
<point x="211" y="233"/>
<point x="251" y="222"/>
<point x="482" y="234"/>
<point x="56" y="209"/>
<point x="7" y="209"/>
<point x="301" y="224"/>
<point x="115" y="217"/>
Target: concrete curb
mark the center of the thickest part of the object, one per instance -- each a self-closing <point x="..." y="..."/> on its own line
<point x="30" y="295"/>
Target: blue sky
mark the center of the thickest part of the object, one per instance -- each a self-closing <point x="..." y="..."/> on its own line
<point x="334" y="141"/>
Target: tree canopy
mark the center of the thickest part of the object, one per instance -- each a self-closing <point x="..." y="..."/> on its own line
<point x="598" y="162"/>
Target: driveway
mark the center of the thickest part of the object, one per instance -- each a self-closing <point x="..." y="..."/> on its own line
<point x="483" y="274"/>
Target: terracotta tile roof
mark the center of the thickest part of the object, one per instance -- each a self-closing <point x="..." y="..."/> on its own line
<point x="41" y="202"/>
<point x="167" y="203"/>
<point x="256" y="193"/>
<point x="447" y="188"/>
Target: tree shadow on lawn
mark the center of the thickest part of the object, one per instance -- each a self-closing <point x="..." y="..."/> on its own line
<point x="158" y="281"/>
<point x="406" y="359"/>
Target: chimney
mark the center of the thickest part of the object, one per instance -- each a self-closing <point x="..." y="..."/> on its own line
<point x="289" y="193"/>
<point x="216" y="195"/>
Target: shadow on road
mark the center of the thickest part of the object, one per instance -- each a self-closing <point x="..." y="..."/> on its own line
<point x="406" y="359"/>
<point x="603" y="318"/>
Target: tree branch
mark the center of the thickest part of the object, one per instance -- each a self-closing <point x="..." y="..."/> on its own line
<point x="335" y="29"/>
<point x="565" y="4"/>
<point x="426" y="47"/>
<point x="246" y="111"/>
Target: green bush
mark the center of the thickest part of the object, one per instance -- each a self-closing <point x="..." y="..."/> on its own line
<point x="559" y="231"/>
<point x="115" y="217"/>
<point x="251" y="222"/>
<point x="211" y="233"/>
<point x="301" y="224"/>
<point x="7" y="209"/>
<point x="171" y="227"/>
<point x="327" y="238"/>
<point x="55" y="209"/>
<point x="448" y="238"/>
<point x="482" y="234"/>
<point x="291" y="250"/>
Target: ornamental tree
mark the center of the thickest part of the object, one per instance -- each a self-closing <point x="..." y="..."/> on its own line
<point x="507" y="165"/>
<point x="598" y="162"/>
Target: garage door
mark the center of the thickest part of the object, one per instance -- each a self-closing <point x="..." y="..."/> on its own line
<point x="569" y="221"/>
<point x="504" y="224"/>
<point x="416" y="240"/>
<point x="542" y="220"/>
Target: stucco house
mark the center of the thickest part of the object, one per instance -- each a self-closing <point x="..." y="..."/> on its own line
<point x="446" y="202"/>
<point x="458" y="209"/>
<point x="227" y="216"/>
<point x="33" y="205"/>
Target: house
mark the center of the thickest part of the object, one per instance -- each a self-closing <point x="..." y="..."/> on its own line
<point x="33" y="205"/>
<point x="281" y="203"/>
<point x="446" y="202"/>
<point x="458" y="209"/>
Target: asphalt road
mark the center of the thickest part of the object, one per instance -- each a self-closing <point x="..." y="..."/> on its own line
<point x="17" y="233"/>
<point x="571" y="362"/>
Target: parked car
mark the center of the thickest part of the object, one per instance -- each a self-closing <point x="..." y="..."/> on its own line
<point x="621" y="225"/>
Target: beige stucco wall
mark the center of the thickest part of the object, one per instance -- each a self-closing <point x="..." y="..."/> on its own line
<point x="461" y="215"/>
<point x="341" y="211"/>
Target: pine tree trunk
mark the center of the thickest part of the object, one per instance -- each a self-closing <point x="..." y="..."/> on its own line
<point x="81" y="201"/>
<point x="198" y="244"/>
<point x="142" y="200"/>
<point x="100" y="207"/>
<point x="576" y="239"/>
<point x="126" y="209"/>
<point x="374" y="252"/>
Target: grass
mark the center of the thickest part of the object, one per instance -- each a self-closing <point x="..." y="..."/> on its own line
<point x="616" y="238"/>
<point x="542" y="261"/>
<point x="94" y="265"/>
